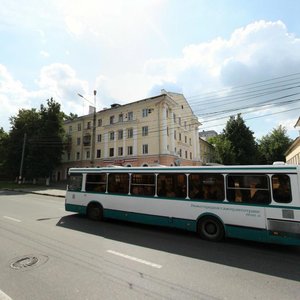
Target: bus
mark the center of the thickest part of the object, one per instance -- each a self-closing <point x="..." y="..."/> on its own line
<point x="259" y="203"/>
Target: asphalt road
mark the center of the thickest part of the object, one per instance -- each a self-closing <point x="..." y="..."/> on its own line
<point x="47" y="253"/>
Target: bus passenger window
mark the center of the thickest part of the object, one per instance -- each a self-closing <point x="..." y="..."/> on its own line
<point x="206" y="186"/>
<point x="248" y="188"/>
<point x="118" y="183"/>
<point x="172" y="185"/>
<point x="75" y="181"/>
<point x="96" y="183"/>
<point x="281" y="187"/>
<point x="143" y="184"/>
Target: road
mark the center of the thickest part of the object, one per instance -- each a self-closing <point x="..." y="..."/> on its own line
<point x="47" y="253"/>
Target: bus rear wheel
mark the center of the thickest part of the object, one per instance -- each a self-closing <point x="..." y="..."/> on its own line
<point x="211" y="229"/>
<point x="95" y="212"/>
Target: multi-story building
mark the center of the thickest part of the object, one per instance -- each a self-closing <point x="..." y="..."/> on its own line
<point x="161" y="130"/>
<point x="292" y="155"/>
<point x="207" y="151"/>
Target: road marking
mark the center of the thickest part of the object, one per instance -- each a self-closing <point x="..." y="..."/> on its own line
<point x="145" y="262"/>
<point x="12" y="219"/>
<point x="3" y="296"/>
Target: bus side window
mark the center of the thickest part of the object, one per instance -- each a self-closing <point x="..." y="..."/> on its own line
<point x="118" y="183"/>
<point x="172" y="185"/>
<point x="74" y="182"/>
<point x="143" y="184"/>
<point x="206" y="186"/>
<point x="281" y="187"/>
<point x="96" y="183"/>
<point x="248" y="188"/>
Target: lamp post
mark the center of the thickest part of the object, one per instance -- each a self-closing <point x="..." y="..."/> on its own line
<point x="93" y="128"/>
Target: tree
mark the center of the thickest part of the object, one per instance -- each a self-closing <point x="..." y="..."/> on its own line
<point x="44" y="143"/>
<point x="70" y="117"/>
<point x="273" y="146"/>
<point x="223" y="153"/>
<point x="3" y="151"/>
<point x="243" y="143"/>
<point x="27" y="121"/>
<point x="236" y="145"/>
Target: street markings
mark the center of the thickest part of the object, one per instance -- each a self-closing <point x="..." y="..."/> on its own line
<point x="12" y="219"/>
<point x="3" y="296"/>
<point x="145" y="262"/>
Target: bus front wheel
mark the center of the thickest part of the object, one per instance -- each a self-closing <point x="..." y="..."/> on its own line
<point x="95" y="212"/>
<point x="211" y="229"/>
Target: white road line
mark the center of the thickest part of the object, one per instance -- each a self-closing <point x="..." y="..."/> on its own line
<point x="12" y="219"/>
<point x="148" y="263"/>
<point x="3" y="296"/>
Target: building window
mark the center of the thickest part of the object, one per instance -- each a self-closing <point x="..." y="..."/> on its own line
<point x="112" y="135"/>
<point x="186" y="154"/>
<point x="180" y="152"/>
<point x="99" y="138"/>
<point x="120" y="151"/>
<point x="99" y="122"/>
<point x="77" y="155"/>
<point x="111" y="152"/>
<point x="120" y="117"/>
<point x="129" y="150"/>
<point x="145" y="149"/>
<point x="78" y="141"/>
<point x="88" y="125"/>
<point x="120" y="134"/>
<point x="179" y="136"/>
<point x="130" y="116"/>
<point x="144" y="130"/>
<point x="79" y="126"/>
<point x="111" y="119"/>
<point x="184" y="124"/>
<point x="174" y="134"/>
<point x="88" y="154"/>
<point x="167" y="131"/>
<point x="145" y="112"/>
<point x="191" y="156"/>
<point x="69" y="156"/>
<point x="190" y="142"/>
<point x="98" y="153"/>
<point x="129" y="133"/>
<point x="185" y="139"/>
<point x="174" y="118"/>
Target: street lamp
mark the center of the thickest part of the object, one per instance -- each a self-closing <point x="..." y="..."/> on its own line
<point x="94" y="126"/>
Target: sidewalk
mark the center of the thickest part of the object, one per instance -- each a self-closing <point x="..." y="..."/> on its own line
<point x="47" y="191"/>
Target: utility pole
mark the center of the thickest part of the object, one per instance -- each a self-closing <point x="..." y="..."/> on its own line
<point x="22" y="158"/>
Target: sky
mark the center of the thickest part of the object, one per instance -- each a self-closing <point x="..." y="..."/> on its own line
<point x="225" y="57"/>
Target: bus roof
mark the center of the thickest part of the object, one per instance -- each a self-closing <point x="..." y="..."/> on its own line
<point x="187" y="169"/>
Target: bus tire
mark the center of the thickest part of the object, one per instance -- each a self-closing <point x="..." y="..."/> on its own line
<point x="95" y="212"/>
<point x="211" y="229"/>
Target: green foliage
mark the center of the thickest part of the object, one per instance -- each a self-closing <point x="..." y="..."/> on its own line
<point x="3" y="151"/>
<point x="236" y="145"/>
<point x="69" y="117"/>
<point x="273" y="146"/>
<point x="44" y="142"/>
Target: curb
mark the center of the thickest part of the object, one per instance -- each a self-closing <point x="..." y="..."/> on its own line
<point x="33" y="192"/>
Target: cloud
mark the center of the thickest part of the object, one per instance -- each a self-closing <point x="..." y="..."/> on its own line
<point x="259" y="51"/>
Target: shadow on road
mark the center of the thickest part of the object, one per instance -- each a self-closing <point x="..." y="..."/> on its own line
<point x="275" y="260"/>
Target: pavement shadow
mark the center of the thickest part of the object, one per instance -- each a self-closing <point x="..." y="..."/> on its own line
<point x="275" y="260"/>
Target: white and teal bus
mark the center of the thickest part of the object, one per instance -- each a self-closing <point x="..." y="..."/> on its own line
<point x="260" y="203"/>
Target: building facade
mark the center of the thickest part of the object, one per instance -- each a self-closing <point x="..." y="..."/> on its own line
<point x="161" y="130"/>
<point x="292" y="155"/>
<point x="207" y="151"/>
